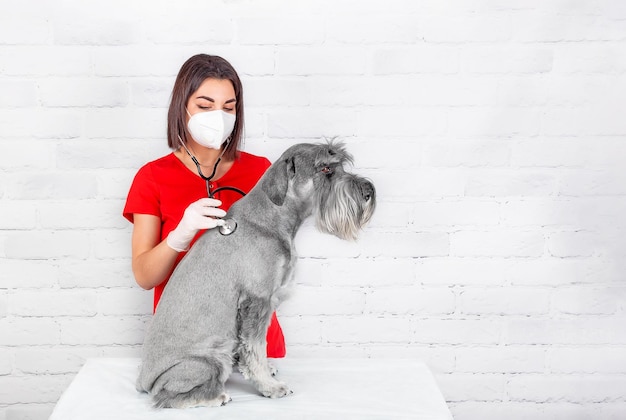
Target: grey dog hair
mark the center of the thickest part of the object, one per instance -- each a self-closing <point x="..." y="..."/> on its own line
<point x="218" y="303"/>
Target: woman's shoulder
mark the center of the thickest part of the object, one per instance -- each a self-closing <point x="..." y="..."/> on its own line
<point x="251" y="161"/>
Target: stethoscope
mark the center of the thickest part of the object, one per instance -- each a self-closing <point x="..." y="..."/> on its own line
<point x="230" y="225"/>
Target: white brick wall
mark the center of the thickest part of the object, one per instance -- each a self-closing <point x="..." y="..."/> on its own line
<point x="494" y="132"/>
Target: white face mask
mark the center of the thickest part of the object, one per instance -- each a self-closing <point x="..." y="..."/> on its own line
<point x="211" y="128"/>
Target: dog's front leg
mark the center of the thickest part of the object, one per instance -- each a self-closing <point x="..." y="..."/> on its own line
<point x="254" y="319"/>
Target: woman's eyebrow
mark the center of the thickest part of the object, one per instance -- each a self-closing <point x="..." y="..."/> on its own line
<point x="213" y="100"/>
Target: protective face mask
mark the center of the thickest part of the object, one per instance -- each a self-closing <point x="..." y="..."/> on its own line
<point x="211" y="128"/>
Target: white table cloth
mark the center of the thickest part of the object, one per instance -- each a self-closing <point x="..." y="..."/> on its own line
<point x="323" y="389"/>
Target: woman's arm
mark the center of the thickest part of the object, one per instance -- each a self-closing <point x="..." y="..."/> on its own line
<point x="152" y="259"/>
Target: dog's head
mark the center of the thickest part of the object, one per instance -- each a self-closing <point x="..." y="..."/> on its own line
<point x="313" y="178"/>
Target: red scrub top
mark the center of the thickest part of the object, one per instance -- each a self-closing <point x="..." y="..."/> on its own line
<point x="165" y="187"/>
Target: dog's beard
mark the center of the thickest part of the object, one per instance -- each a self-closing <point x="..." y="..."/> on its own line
<point x="345" y="210"/>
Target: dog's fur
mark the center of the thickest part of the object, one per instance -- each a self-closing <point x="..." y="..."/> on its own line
<point x="217" y="305"/>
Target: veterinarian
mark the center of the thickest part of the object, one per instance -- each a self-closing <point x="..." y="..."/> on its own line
<point x="169" y="200"/>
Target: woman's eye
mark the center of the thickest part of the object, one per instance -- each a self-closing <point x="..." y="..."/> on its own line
<point x="229" y="109"/>
<point x="204" y="107"/>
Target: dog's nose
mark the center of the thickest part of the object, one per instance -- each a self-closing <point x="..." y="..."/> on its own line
<point x="367" y="190"/>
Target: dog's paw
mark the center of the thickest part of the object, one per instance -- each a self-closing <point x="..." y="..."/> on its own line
<point x="221" y="400"/>
<point x="277" y="390"/>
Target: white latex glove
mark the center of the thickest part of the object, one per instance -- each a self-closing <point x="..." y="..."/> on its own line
<point x="203" y="214"/>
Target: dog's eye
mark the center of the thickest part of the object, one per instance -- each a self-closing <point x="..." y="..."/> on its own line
<point x="327" y="170"/>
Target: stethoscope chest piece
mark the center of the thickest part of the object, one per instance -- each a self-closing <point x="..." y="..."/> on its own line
<point x="229" y="226"/>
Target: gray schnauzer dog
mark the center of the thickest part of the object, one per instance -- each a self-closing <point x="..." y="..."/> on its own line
<point x="218" y="303"/>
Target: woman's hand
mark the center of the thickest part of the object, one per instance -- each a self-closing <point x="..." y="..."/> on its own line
<point x="203" y="214"/>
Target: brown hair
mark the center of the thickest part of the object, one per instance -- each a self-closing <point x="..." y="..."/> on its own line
<point x="191" y="75"/>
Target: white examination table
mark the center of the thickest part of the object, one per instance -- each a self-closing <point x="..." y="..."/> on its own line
<point x="323" y="389"/>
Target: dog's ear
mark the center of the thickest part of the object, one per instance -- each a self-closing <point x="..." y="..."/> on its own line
<point x="276" y="182"/>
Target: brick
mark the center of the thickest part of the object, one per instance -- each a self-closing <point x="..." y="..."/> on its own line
<point x="115" y="183"/>
<point x="42" y="245"/>
<point x="111" y="243"/>
<point x="52" y="361"/>
<point x="365" y="330"/>
<point x="588" y="120"/>
<point x="28" y="331"/>
<point x="390" y="215"/>
<point x="276" y="92"/>
<point x="493" y="122"/>
<point x="574" y="331"/>
<point x="468" y="212"/>
<point x="18" y="93"/>
<point x="557" y="271"/>
<point x="449" y="271"/>
<point x="33" y="389"/>
<point x="83" y="92"/>
<point x="103" y="330"/>
<point x="311" y="243"/>
<point x="410" y="300"/>
<point x="31" y="31"/>
<point x="39" y="411"/>
<point x="25" y="274"/>
<point x="6" y="361"/>
<point x="312" y="124"/>
<point x="120" y="61"/>
<point x="131" y="301"/>
<point x="424" y="182"/>
<point x="368" y="272"/>
<point x="405" y="244"/>
<point x="551" y="153"/>
<point x="53" y="303"/>
<point x="589" y="58"/>
<point x="324" y="301"/>
<point x="198" y="29"/>
<point x="51" y="123"/>
<point x="518" y="90"/>
<point x="18" y="215"/>
<point x="609" y="181"/>
<point x="371" y="29"/>
<point x="151" y="92"/>
<point x="280" y="30"/>
<point x="46" y="185"/>
<point x="303" y="330"/>
<point x="92" y="273"/>
<point x="577" y="300"/>
<point x="504" y="301"/>
<point x="505" y="183"/>
<point x="111" y="123"/>
<point x="487" y="28"/>
<point x="456" y="331"/>
<point x="572" y="244"/>
<point x="592" y="360"/>
<point x="519" y="59"/>
<point x="570" y="388"/>
<point x="321" y="60"/>
<point x="90" y="31"/>
<point x="467" y="153"/>
<point x="68" y="61"/>
<point x="41" y="154"/>
<point x="473" y="387"/>
<point x="415" y="60"/>
<point x="566" y="212"/>
<point x="500" y="359"/>
<point x="399" y="123"/>
<point x="496" y="243"/>
<point x="85" y="214"/>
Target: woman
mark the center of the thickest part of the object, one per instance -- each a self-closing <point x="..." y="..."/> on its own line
<point x="168" y="202"/>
